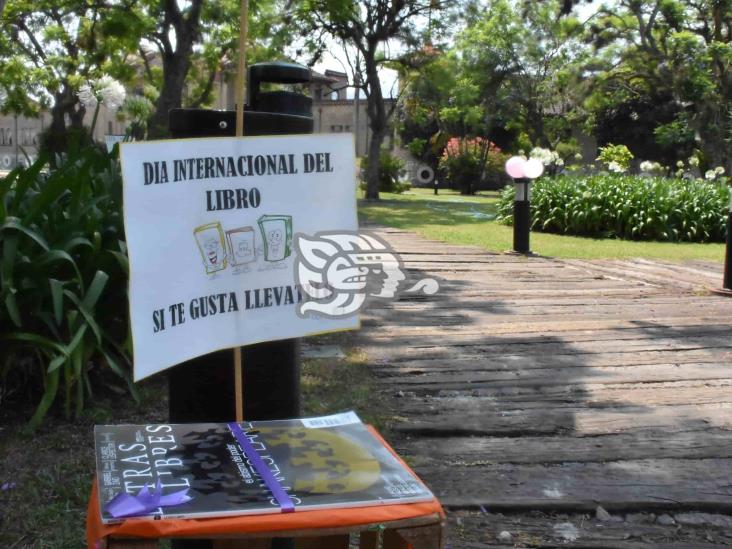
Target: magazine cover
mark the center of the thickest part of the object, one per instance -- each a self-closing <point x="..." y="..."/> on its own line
<point x="219" y="469"/>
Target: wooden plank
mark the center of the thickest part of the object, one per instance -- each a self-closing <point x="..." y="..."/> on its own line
<point x="635" y="373"/>
<point x="392" y="540"/>
<point x="558" y="303"/>
<point x="323" y="542"/>
<point x="578" y="420"/>
<point x="369" y="540"/>
<point x="511" y="400"/>
<point x="657" y="272"/>
<point x="487" y="323"/>
<point x="703" y="484"/>
<point x="632" y="444"/>
<point x="424" y="537"/>
<point x="409" y="348"/>
<point x="132" y="543"/>
<point x="531" y="362"/>
<point x="257" y="543"/>
<point x="575" y="530"/>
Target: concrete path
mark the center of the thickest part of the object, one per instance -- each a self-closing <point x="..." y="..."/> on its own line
<point x="530" y="391"/>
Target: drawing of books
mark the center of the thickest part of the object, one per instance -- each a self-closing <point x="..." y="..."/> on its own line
<point x="241" y="245"/>
<point x="277" y="236"/>
<point x="210" y="240"/>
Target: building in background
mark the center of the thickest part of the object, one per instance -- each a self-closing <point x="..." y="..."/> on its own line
<point x="335" y="110"/>
<point x="20" y="136"/>
<point x="337" y="106"/>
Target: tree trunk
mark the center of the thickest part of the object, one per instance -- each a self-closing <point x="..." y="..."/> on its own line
<point x="372" y="170"/>
<point x="712" y="128"/>
<point x="176" y="63"/>
<point x="175" y="70"/>
<point x="57" y="138"/>
<point x="377" y="122"/>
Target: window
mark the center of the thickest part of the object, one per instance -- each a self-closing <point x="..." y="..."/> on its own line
<point x="110" y="129"/>
<point x="336" y="128"/>
<point x="8" y="136"/>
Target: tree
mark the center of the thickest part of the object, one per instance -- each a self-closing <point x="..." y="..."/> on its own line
<point x="368" y="27"/>
<point x="680" y="48"/>
<point x="512" y="77"/>
<point x="174" y="30"/>
<point x="525" y="61"/>
<point x="49" y="48"/>
<point x="197" y="40"/>
<point x="173" y="50"/>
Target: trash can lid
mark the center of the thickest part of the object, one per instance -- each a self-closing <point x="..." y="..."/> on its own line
<point x="279" y="72"/>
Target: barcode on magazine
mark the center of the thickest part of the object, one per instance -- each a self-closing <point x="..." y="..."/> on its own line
<point x="336" y="420"/>
<point x="403" y="487"/>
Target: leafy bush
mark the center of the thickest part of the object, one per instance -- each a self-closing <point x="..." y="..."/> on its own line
<point x="63" y="279"/>
<point x="616" y="158"/>
<point x="391" y="169"/>
<point x="628" y="207"/>
<point x="469" y="162"/>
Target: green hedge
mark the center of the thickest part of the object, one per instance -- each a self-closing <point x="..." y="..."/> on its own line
<point x="629" y="207"/>
<point x="63" y="280"/>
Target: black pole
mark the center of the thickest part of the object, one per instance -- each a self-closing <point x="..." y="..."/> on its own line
<point x="521" y="217"/>
<point x="727" y="284"/>
<point x="437" y="184"/>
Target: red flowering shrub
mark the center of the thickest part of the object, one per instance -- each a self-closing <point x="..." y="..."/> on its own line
<point x="470" y="163"/>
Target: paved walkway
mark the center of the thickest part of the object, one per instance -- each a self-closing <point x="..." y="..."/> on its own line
<point x="528" y="392"/>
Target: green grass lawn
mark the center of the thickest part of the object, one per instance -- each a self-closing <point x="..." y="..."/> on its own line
<point x="470" y="220"/>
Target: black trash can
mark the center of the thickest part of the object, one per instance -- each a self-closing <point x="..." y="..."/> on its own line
<point x="202" y="389"/>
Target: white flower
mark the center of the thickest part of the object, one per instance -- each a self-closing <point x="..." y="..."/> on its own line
<point x="680" y="173"/>
<point x="646" y="166"/>
<point x="679" y="163"/>
<point x="693" y="161"/>
<point x="546" y="156"/>
<point x="559" y="162"/>
<point x="615" y="167"/>
<point x="87" y="97"/>
<point x="111" y="91"/>
<point x="106" y="90"/>
<point x="710" y="174"/>
<point x="719" y="170"/>
<point x="578" y="156"/>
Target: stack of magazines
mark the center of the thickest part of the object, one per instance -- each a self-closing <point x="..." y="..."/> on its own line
<point x="227" y="469"/>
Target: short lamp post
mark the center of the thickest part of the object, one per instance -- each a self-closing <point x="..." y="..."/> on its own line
<point x="523" y="173"/>
<point x="726" y="289"/>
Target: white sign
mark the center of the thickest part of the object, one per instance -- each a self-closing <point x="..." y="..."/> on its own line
<point x="210" y="226"/>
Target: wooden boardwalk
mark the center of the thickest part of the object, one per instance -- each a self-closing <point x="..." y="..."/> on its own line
<point x="529" y="391"/>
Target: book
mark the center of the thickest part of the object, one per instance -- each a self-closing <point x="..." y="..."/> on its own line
<point x="312" y="463"/>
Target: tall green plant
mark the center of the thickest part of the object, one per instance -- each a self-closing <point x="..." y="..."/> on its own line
<point x="629" y="207"/>
<point x="63" y="277"/>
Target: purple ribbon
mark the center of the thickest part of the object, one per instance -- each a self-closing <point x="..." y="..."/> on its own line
<point x="284" y="501"/>
<point x="126" y="505"/>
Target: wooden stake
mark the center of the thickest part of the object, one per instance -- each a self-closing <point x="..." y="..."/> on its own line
<point x="241" y="83"/>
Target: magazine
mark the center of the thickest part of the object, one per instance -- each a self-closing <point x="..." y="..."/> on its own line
<point x="225" y="469"/>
